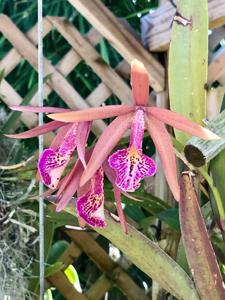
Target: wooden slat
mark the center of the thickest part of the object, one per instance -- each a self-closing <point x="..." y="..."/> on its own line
<point x="216" y="69"/>
<point x="160" y="21"/>
<point x="99" y="288"/>
<point x="61" y="282"/>
<point x="11" y="97"/>
<point x="93" y="59"/>
<point x="13" y="57"/>
<point x="60" y="85"/>
<point x="70" y="255"/>
<point x="104" y="21"/>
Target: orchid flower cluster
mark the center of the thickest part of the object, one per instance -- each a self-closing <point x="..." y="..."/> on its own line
<point x="125" y="168"/>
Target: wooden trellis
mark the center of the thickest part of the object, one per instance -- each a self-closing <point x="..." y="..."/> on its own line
<point x="82" y="48"/>
<point x="113" y="274"/>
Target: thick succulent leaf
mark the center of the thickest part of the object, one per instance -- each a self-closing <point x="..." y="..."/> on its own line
<point x="93" y="113"/>
<point x="188" y="61"/>
<point x="177" y="121"/>
<point x="200" y="255"/>
<point x="105" y="144"/>
<point x="37" y="130"/>
<point x="148" y="257"/>
<point x="139" y="83"/>
<point x="163" y="144"/>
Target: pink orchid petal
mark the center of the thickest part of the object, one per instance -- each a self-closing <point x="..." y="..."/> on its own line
<point x="120" y="209"/>
<point x="93" y="113"/>
<point x="177" y="121"/>
<point x="83" y="131"/>
<point x="139" y="83"/>
<point x="106" y="143"/>
<point x="69" y="186"/>
<point x="109" y="172"/>
<point x="90" y="206"/>
<point x="131" y="166"/>
<point x="46" y="109"/>
<point x="37" y="130"/>
<point x="137" y="129"/>
<point x="60" y="136"/>
<point x="163" y="144"/>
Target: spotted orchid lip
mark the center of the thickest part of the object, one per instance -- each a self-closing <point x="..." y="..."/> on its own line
<point x="52" y="162"/>
<point x="90" y="205"/>
<point x="130" y="164"/>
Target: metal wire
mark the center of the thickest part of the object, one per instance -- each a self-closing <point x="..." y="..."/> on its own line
<point x="40" y="142"/>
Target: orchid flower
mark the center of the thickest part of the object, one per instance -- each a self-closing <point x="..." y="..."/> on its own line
<point x="130" y="164"/>
<point x="53" y="160"/>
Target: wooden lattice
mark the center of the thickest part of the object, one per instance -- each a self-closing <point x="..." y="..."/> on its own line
<point x="112" y="273"/>
<point x="82" y="48"/>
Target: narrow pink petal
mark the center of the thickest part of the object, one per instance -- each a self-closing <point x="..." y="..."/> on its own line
<point x="139" y="83"/>
<point x="46" y="109"/>
<point x="69" y="186"/>
<point x="83" y="131"/>
<point x="177" y="121"/>
<point x="93" y="113"/>
<point x="57" y="141"/>
<point x="163" y="144"/>
<point x="106" y="143"/>
<point x="109" y="172"/>
<point x="37" y="130"/>
<point x="120" y="209"/>
<point x="137" y="129"/>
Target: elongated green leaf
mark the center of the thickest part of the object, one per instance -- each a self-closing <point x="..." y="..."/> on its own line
<point x="149" y="257"/>
<point x="56" y="267"/>
<point x="200" y="255"/>
<point x="217" y="167"/>
<point x="188" y="58"/>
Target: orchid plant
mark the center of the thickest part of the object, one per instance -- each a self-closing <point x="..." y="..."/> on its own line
<point x="126" y="167"/>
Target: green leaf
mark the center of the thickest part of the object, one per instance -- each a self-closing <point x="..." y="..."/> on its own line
<point x="188" y="62"/>
<point x="171" y="217"/>
<point x="57" y="250"/>
<point x="61" y="219"/>
<point x="56" y="267"/>
<point x="148" y="257"/>
<point x="217" y="167"/>
<point x="104" y="51"/>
